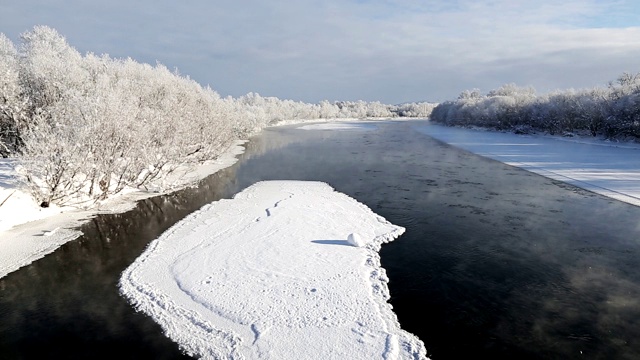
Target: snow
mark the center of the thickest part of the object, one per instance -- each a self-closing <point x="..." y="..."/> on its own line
<point x="29" y="232"/>
<point x="608" y="168"/>
<point x="270" y="274"/>
<point x="354" y="239"/>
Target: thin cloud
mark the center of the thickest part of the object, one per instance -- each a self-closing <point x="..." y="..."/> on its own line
<point x="393" y="51"/>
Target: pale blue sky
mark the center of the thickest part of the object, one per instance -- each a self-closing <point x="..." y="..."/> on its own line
<point x="388" y="50"/>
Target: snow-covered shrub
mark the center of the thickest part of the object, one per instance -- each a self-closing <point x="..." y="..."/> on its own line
<point x="420" y="109"/>
<point x="12" y="104"/>
<point x="98" y="125"/>
<point x="613" y="111"/>
<point x="85" y="127"/>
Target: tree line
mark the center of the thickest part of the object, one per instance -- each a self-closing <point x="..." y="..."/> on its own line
<point x="84" y="127"/>
<point x="612" y="111"/>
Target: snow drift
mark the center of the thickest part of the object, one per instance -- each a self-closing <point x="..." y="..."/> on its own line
<point x="270" y="274"/>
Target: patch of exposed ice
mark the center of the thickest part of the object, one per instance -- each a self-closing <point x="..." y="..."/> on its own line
<point x="268" y="275"/>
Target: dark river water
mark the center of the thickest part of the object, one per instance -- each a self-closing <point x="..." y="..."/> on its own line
<point x="495" y="261"/>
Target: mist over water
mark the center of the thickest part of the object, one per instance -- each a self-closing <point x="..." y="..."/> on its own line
<point x="495" y="261"/>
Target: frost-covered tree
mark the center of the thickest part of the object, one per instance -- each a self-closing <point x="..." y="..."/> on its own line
<point x="12" y="103"/>
<point x="99" y="125"/>
<point x="328" y="110"/>
<point x="613" y="111"/>
<point x="421" y="109"/>
<point x="50" y="72"/>
<point x="51" y="79"/>
<point x="85" y="127"/>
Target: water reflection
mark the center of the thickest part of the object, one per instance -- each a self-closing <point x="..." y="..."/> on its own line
<point x="495" y="262"/>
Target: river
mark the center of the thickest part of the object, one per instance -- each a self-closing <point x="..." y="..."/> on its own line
<point x="495" y="261"/>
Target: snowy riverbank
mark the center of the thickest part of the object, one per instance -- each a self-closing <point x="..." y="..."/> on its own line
<point x="29" y="232"/>
<point x="608" y="168"/>
<point x="270" y="274"/>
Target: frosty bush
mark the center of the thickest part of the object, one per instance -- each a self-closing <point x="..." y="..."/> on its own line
<point x="12" y="106"/>
<point x="421" y="109"/>
<point x="98" y="125"/>
<point x="613" y="112"/>
<point x="86" y="127"/>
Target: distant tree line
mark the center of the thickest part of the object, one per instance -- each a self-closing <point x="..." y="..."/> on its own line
<point x="612" y="111"/>
<point x="84" y="127"/>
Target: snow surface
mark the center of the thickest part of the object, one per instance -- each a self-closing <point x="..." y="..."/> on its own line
<point x="354" y="239"/>
<point x="270" y="274"/>
<point x="608" y="168"/>
<point x="29" y="232"/>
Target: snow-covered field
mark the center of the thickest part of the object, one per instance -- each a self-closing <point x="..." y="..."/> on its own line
<point x="274" y="273"/>
<point x="608" y="168"/>
<point x="29" y="232"/>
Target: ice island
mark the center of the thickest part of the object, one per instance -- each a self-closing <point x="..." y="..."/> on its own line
<point x="271" y="274"/>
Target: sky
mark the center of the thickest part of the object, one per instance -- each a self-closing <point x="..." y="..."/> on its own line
<point x="391" y="51"/>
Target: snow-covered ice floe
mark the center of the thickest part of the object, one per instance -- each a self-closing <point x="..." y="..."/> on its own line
<point x="270" y="274"/>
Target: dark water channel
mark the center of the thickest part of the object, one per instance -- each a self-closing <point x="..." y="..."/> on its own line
<point x="495" y="262"/>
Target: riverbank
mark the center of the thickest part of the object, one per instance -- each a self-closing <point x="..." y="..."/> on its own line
<point x="604" y="167"/>
<point x="29" y="232"/>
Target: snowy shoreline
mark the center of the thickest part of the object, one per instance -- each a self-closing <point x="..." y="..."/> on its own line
<point x="271" y="274"/>
<point x="28" y="232"/>
<point x="606" y="168"/>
